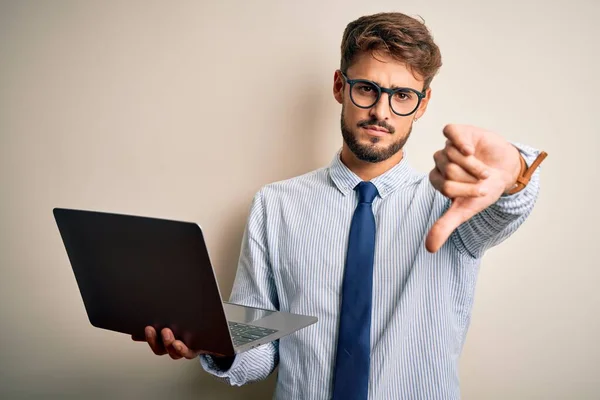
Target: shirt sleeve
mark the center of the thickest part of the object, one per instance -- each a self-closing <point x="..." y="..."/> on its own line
<point x="254" y="287"/>
<point x="500" y="220"/>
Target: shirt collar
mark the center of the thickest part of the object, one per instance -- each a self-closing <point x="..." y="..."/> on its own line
<point x="346" y="180"/>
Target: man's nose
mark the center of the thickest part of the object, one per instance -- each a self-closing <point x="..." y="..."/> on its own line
<point x="381" y="109"/>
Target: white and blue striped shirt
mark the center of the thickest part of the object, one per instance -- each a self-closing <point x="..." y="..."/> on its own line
<point x="293" y="256"/>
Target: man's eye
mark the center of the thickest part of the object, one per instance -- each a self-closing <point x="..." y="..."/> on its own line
<point x="403" y="96"/>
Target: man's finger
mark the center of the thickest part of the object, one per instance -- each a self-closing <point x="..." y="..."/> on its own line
<point x="443" y="228"/>
<point x="461" y="137"/>
<point x="175" y="348"/>
<point x="470" y="164"/>
<point x="452" y="189"/>
<point x="154" y="341"/>
<point x="183" y="350"/>
<point x="167" y="337"/>
<point x="452" y="171"/>
<point x="173" y="353"/>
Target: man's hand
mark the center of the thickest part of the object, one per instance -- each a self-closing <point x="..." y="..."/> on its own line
<point x="167" y="344"/>
<point x="474" y="169"/>
<point x="176" y="349"/>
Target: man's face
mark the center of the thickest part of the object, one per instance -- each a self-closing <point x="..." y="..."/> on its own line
<point x="375" y="134"/>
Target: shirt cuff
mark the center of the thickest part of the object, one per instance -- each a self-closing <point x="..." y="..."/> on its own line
<point x="210" y="366"/>
<point x="517" y="203"/>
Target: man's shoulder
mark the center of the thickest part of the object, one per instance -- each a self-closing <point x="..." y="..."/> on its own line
<point x="308" y="182"/>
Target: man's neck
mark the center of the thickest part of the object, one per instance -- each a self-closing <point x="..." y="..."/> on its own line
<point x="366" y="170"/>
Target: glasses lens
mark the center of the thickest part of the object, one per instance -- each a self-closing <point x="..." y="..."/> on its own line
<point x="404" y="101"/>
<point x="364" y="94"/>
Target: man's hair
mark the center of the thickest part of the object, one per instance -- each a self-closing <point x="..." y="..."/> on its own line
<point x="397" y="35"/>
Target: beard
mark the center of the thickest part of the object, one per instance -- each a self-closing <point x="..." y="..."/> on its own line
<point x="371" y="152"/>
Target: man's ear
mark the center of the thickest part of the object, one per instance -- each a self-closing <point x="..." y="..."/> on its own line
<point x="338" y="86"/>
<point x="423" y="106"/>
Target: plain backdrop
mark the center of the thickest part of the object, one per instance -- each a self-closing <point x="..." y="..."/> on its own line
<point x="184" y="109"/>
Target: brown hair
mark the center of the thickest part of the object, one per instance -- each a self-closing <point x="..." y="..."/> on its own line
<point x="398" y="35"/>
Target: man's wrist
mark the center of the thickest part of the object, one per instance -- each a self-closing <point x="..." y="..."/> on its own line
<point x="528" y="167"/>
<point x="518" y="170"/>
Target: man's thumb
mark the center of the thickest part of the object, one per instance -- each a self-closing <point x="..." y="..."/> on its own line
<point x="443" y="227"/>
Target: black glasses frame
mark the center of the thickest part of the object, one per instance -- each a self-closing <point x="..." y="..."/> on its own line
<point x="380" y="90"/>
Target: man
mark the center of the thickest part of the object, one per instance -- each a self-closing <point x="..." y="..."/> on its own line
<point x="386" y="258"/>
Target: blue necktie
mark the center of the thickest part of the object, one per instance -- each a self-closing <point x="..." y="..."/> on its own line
<point x="351" y="375"/>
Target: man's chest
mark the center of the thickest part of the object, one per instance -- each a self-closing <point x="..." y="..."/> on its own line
<point x="308" y="249"/>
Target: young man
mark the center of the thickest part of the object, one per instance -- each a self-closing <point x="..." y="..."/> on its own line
<point x="385" y="257"/>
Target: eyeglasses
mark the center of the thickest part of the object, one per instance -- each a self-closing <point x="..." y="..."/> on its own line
<point x="365" y="94"/>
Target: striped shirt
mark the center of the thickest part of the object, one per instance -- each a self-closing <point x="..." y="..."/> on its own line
<point x="292" y="259"/>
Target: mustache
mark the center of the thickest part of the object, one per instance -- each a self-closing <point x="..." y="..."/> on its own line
<point x="374" y="122"/>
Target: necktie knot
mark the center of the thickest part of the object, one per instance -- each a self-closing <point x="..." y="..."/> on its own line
<point x="366" y="192"/>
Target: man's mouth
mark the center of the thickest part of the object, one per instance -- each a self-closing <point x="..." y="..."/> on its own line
<point x="376" y="130"/>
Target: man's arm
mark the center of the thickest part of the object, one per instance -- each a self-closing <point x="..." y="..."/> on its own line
<point x="253" y="286"/>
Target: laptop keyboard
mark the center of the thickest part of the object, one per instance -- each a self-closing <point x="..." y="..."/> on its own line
<point x="244" y="333"/>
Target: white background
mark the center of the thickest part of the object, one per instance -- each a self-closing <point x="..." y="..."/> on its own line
<point x="144" y="107"/>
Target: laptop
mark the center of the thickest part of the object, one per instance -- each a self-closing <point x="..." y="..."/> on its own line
<point x="134" y="271"/>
